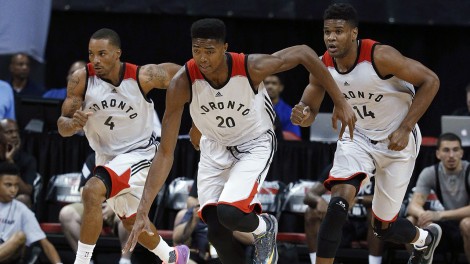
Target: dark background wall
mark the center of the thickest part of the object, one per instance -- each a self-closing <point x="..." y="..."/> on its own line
<point x="154" y="37"/>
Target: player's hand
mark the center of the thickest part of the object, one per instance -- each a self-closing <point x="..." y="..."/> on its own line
<point x="428" y="217"/>
<point x="300" y="114"/>
<point x="11" y="151"/>
<point x="346" y="115"/>
<point x="399" y="139"/>
<point x="79" y="119"/>
<point x="107" y="211"/>
<point x="195" y="136"/>
<point x="141" y="224"/>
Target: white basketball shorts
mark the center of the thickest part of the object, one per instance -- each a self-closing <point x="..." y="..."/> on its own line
<point x="128" y="173"/>
<point x="233" y="175"/>
<point x="392" y="169"/>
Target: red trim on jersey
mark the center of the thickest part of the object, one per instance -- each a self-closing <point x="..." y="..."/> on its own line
<point x="245" y="205"/>
<point x="238" y="67"/>
<point x="365" y="53"/>
<point x="91" y="70"/>
<point x="366" y="50"/>
<point x="386" y="221"/>
<point x="130" y="216"/>
<point x="199" y="212"/>
<point x="118" y="182"/>
<point x="238" y="64"/>
<point x="327" y="60"/>
<point x="328" y="183"/>
<point x="130" y="71"/>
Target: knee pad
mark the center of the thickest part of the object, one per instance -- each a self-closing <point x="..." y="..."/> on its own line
<point x="330" y="232"/>
<point x="401" y="231"/>
<point x="102" y="174"/>
<point x="235" y="219"/>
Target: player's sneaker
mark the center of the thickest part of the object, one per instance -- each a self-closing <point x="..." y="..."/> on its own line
<point x="182" y="254"/>
<point x="265" y="244"/>
<point x="425" y="254"/>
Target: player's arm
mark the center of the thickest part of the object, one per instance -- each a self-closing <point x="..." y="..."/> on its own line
<point x="390" y="61"/>
<point x="67" y="124"/>
<point x="261" y="66"/>
<point x="177" y="95"/>
<point x="456" y="214"/>
<point x="50" y="251"/>
<point x="304" y="113"/>
<point x="157" y="75"/>
<point x="313" y="195"/>
<point x="415" y="207"/>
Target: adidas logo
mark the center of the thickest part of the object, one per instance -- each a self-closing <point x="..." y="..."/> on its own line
<point x="218" y="94"/>
<point x="114" y="90"/>
<point x="346" y="83"/>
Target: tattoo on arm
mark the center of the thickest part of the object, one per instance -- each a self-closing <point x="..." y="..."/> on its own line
<point x="73" y="83"/>
<point x="156" y="75"/>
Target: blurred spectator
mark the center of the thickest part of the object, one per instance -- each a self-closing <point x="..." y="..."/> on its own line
<point x="449" y="180"/>
<point x="70" y="216"/>
<point x="464" y="111"/>
<point x="357" y="227"/>
<point x="18" y="225"/>
<point x="25" y="162"/>
<point x="7" y="101"/>
<point x="61" y="93"/>
<point x="274" y="87"/>
<point x="20" y="80"/>
<point x="24" y="26"/>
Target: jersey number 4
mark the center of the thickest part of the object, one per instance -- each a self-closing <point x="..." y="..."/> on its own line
<point x="109" y="123"/>
<point x="364" y="113"/>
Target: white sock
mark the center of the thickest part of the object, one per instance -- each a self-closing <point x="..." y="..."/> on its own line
<point x="261" y="226"/>
<point x="313" y="257"/>
<point x="84" y="253"/>
<point x="125" y="261"/>
<point x="163" y="251"/>
<point x="421" y="242"/>
<point x="375" y="259"/>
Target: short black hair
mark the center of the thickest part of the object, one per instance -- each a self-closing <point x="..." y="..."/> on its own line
<point x="448" y="137"/>
<point x="109" y="34"/>
<point x="8" y="168"/>
<point x="209" y="28"/>
<point x="343" y="11"/>
<point x="468" y="88"/>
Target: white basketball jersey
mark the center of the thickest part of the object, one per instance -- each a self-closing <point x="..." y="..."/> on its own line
<point x="122" y="118"/>
<point x="234" y="113"/>
<point x="380" y="103"/>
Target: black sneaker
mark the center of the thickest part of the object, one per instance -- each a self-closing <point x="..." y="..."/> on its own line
<point x="425" y="254"/>
<point x="265" y="244"/>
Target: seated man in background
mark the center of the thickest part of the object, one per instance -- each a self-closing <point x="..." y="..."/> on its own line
<point x="25" y="161"/>
<point x="449" y="179"/>
<point x="274" y="88"/>
<point x="356" y="228"/>
<point x="70" y="216"/>
<point x="20" y="80"/>
<point x="61" y="93"/>
<point x="19" y="225"/>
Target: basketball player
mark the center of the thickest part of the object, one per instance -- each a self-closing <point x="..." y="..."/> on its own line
<point x="107" y="99"/>
<point x="230" y="106"/>
<point x="377" y="81"/>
